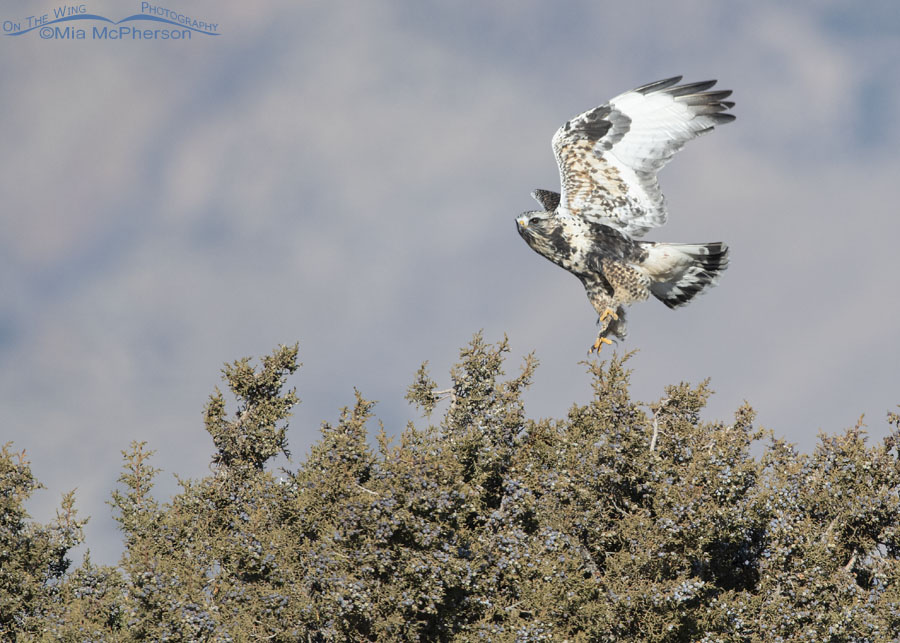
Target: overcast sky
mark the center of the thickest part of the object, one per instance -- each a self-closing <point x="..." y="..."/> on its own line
<point x="347" y="174"/>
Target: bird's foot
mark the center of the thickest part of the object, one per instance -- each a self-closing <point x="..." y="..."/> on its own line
<point x="598" y="344"/>
<point x="609" y="312"/>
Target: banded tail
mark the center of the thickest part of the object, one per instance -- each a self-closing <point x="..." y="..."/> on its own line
<point x="680" y="271"/>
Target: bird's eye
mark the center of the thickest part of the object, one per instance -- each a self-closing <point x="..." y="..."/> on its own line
<point x="534" y="220"/>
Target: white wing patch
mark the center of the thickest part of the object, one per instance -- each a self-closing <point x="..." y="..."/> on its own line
<point x="609" y="156"/>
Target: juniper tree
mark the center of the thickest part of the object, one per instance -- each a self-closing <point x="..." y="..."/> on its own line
<point x="622" y="520"/>
<point x="32" y="556"/>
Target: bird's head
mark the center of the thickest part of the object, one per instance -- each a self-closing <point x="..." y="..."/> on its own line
<point x="532" y="223"/>
<point x="543" y="233"/>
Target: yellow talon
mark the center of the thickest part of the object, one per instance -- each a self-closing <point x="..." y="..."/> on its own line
<point x="609" y="312"/>
<point x="598" y="344"/>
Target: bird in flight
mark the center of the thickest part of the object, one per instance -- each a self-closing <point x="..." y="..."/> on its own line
<point x="608" y="159"/>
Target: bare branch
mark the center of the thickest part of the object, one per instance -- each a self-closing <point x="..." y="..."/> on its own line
<point x="362" y="488"/>
<point x="444" y="394"/>
<point x="655" y="436"/>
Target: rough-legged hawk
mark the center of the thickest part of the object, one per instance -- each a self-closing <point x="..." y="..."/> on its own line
<point x="608" y="159"/>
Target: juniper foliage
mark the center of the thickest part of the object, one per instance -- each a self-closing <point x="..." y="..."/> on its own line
<point x="621" y="521"/>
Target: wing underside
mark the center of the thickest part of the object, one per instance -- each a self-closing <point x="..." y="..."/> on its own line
<point x="609" y="156"/>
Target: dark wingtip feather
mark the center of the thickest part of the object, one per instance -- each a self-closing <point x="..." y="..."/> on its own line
<point x="696" y="95"/>
<point x="657" y="85"/>
<point x="691" y="88"/>
<point x="708" y="109"/>
<point x="704" y="98"/>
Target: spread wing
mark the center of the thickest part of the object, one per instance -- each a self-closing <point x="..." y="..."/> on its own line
<point x="608" y="157"/>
